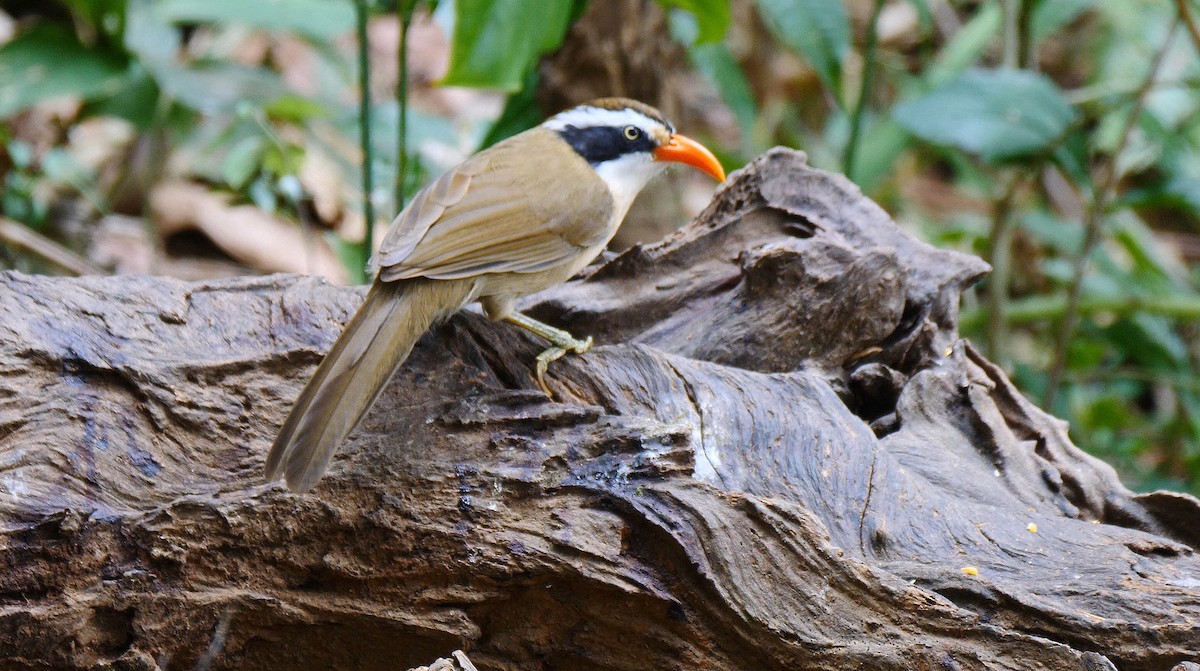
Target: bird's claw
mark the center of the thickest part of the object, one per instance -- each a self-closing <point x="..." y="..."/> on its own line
<point x="552" y="354"/>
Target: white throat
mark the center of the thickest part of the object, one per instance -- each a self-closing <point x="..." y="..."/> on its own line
<point x="626" y="176"/>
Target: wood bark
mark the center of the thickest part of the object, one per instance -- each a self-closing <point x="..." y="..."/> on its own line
<point x="779" y="456"/>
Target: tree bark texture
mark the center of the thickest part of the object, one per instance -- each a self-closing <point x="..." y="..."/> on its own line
<point x="780" y="456"/>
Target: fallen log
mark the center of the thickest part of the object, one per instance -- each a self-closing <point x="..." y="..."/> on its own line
<point x="780" y="456"/>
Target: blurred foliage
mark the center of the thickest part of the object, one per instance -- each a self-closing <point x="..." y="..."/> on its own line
<point x="497" y="42"/>
<point x="1060" y="139"/>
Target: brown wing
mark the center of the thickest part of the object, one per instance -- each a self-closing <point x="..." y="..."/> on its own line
<point x="524" y="205"/>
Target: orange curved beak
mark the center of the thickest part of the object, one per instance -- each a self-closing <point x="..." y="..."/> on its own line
<point x="683" y="149"/>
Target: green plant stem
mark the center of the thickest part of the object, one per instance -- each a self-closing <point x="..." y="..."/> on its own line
<point x="1151" y="377"/>
<point x="402" y="105"/>
<point x="1093" y="220"/>
<point x="1088" y="94"/>
<point x="1012" y="33"/>
<point x="864" y="91"/>
<point x="1037" y="309"/>
<point x="364" y="125"/>
<point x="1185" y="15"/>
<point x="1000" y="256"/>
<point x="1026" y="48"/>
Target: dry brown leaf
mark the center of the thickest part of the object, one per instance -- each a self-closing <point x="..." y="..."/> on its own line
<point x="244" y="232"/>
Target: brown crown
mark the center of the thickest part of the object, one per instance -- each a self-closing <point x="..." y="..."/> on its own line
<point x="615" y="103"/>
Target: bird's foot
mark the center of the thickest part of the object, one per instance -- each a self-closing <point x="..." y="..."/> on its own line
<point x="563" y="342"/>
<point x="552" y="354"/>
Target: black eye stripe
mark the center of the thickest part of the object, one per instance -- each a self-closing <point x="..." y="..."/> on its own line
<point x="597" y="144"/>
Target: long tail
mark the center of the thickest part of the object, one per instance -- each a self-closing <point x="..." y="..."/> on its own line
<point x="376" y="341"/>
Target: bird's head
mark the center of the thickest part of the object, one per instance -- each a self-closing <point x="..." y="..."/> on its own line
<point x="628" y="142"/>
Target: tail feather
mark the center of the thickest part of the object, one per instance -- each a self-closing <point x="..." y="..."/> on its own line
<point x="374" y="343"/>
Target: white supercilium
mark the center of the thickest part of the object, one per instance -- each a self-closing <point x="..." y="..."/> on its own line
<point x="588" y="117"/>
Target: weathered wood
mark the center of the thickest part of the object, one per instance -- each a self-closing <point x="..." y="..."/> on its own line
<point x="780" y="457"/>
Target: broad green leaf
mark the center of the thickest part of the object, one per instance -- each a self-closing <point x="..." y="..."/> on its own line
<point x="406" y="8"/>
<point x="882" y="143"/>
<point x="496" y="42"/>
<point x="520" y="113"/>
<point x="1150" y="341"/>
<point x="136" y="101"/>
<point x="94" y="17"/>
<point x="242" y="161"/>
<point x="318" y="19"/>
<point x="147" y="35"/>
<point x="999" y="115"/>
<point x="422" y="128"/>
<point x="48" y="62"/>
<point x="818" y="30"/>
<point x="1048" y="229"/>
<point x="1183" y="181"/>
<point x="718" y="66"/>
<point x="217" y="87"/>
<point x="1073" y="157"/>
<point x="968" y="44"/>
<point x="1156" y="268"/>
<point x="1087" y="354"/>
<point x="712" y="17"/>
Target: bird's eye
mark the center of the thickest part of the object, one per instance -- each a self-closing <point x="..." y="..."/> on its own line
<point x="632" y="132"/>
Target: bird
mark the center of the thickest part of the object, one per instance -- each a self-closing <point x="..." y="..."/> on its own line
<point x="516" y="218"/>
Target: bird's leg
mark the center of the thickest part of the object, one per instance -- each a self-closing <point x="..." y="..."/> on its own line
<point x="563" y="342"/>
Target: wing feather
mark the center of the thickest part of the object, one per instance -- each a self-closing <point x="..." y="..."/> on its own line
<point x="492" y="214"/>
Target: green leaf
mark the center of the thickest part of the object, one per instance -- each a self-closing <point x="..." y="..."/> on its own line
<point x="967" y="46"/>
<point x="422" y="128"/>
<point x="1055" y="233"/>
<point x="1150" y="341"/>
<point x="317" y="19"/>
<point x="712" y="16"/>
<point x="496" y="42"/>
<point x="48" y="62"/>
<point x="882" y="143"/>
<point x="217" y="87"/>
<point x="147" y="35"/>
<point x="1073" y="157"/>
<point x="295" y="109"/>
<point x="520" y="113"/>
<point x="406" y="8"/>
<point x="1178" y="186"/>
<point x="818" y="30"/>
<point x="718" y="66"/>
<point x="136" y="101"/>
<point x="1086" y="354"/>
<point x="282" y="159"/>
<point x="242" y="161"/>
<point x="94" y="17"/>
<point x="1156" y="268"/>
<point x="999" y="115"/>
